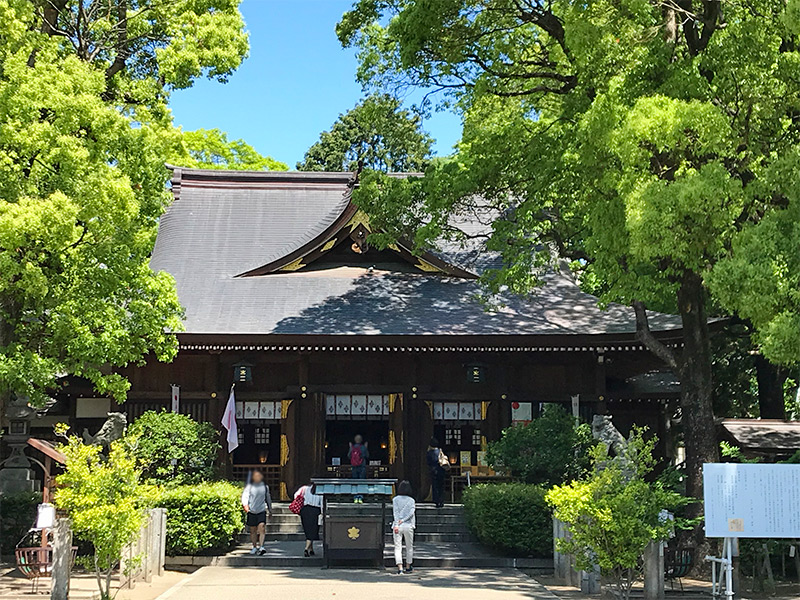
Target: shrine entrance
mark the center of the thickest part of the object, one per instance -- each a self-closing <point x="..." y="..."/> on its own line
<point x="348" y="415"/>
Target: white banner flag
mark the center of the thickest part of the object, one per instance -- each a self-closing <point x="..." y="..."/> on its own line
<point x="229" y="423"/>
<point x="176" y="398"/>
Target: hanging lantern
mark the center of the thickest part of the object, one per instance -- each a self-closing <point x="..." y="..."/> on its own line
<point x="242" y="372"/>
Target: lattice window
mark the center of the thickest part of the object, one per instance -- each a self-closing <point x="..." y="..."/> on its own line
<point x="452" y="437"/>
<point x="240" y="434"/>
<point x="262" y="436"/>
<point x="134" y="410"/>
<point x="457" y="411"/>
<point x="346" y="405"/>
<point x="476" y="437"/>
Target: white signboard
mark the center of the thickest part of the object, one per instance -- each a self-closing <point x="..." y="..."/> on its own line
<point x="751" y="500"/>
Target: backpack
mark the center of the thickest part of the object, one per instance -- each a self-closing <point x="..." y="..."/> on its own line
<point x="444" y="463"/>
<point x="356" y="458"/>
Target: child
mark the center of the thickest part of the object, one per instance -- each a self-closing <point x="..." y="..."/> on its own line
<point x="404" y="510"/>
<point x="256" y="502"/>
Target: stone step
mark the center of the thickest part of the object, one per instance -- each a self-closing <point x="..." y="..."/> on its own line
<point x="283" y="508"/>
<point x="427" y="555"/>
<point x="298" y="536"/>
<point x="422" y="519"/>
<point x="420" y="530"/>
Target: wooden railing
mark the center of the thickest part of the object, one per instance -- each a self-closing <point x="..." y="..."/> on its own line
<point x="345" y="471"/>
<point x="271" y="473"/>
<point x="457" y="483"/>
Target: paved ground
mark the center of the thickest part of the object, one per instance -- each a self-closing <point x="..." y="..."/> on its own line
<point x="225" y="583"/>
<point x="83" y="586"/>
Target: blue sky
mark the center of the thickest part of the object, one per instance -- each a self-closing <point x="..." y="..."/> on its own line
<point x="295" y="83"/>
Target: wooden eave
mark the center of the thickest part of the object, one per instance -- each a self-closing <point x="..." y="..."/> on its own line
<point x="607" y="342"/>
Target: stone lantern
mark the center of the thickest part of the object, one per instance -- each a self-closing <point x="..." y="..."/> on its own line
<point x="16" y="473"/>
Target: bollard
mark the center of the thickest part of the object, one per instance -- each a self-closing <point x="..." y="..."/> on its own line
<point x="62" y="560"/>
<point x="654" y="571"/>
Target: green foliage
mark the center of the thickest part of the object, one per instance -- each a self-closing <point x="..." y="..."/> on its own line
<point x="656" y="150"/>
<point x="377" y="134"/>
<point x="17" y="514"/>
<point x="84" y="134"/>
<point x="614" y="512"/>
<point x="632" y="140"/>
<point x="511" y="517"/>
<point x="163" y="437"/>
<point x="549" y="450"/>
<point x="760" y="278"/>
<point x="104" y="500"/>
<point x="211" y="149"/>
<point x="202" y="519"/>
<point x="731" y="453"/>
<point x="144" y="48"/>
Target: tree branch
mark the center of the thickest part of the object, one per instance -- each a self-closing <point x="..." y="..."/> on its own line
<point x="644" y="335"/>
<point x="122" y="40"/>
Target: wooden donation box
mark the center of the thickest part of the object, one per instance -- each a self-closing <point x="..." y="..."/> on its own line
<point x="353" y="533"/>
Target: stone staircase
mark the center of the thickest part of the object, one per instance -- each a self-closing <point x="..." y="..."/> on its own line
<point x="441" y="540"/>
<point x="445" y="525"/>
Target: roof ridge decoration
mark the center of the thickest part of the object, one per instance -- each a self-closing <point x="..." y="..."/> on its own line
<point x="354" y="225"/>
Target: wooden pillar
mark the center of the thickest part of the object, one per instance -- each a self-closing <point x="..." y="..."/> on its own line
<point x="397" y="435"/>
<point x="418" y="427"/>
<point x="302" y="441"/>
<point x="600" y="382"/>
<point x="62" y="560"/>
<point x="496" y="419"/>
<point x="288" y="477"/>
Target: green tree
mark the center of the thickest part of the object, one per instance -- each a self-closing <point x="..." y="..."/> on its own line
<point x="84" y="134"/>
<point x="550" y="450"/>
<point x="377" y="134"/>
<point x="615" y="512"/>
<point x="648" y="141"/>
<point x="143" y="48"/>
<point x="104" y="500"/>
<point x="211" y="149"/>
<point x="173" y="448"/>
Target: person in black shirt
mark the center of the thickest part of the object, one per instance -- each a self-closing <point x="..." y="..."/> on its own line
<point x="437" y="472"/>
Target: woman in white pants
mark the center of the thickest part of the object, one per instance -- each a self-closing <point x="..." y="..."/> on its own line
<point x="404" y="509"/>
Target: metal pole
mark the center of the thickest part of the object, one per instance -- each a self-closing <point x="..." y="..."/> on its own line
<point x="728" y="568"/>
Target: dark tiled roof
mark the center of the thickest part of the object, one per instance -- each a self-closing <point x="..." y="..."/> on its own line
<point x="225" y="223"/>
<point x="763" y="434"/>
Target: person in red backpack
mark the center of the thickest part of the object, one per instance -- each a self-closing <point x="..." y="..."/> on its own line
<point x="358" y="455"/>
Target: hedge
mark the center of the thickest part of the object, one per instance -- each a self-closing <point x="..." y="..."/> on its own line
<point x="17" y="515"/>
<point x="203" y="518"/>
<point x="510" y="517"/>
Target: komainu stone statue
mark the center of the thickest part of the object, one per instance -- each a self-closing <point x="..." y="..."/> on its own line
<point x="112" y="430"/>
<point x="603" y="430"/>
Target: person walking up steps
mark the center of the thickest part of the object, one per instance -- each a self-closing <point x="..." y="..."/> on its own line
<point x="358" y="455"/>
<point x="405" y="521"/>
<point x="437" y="466"/>
<point x="256" y="502"/>
<point x="309" y="515"/>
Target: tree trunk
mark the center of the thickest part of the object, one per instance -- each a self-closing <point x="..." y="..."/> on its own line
<point x="770" y="389"/>
<point x="697" y="415"/>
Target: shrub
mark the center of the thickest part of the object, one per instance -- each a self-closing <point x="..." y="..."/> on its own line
<point x="511" y="517"/>
<point x="17" y="514"/>
<point x="202" y="519"/>
<point x="166" y="437"/>
<point x="615" y="512"/>
<point x="104" y="499"/>
<point x="550" y="450"/>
